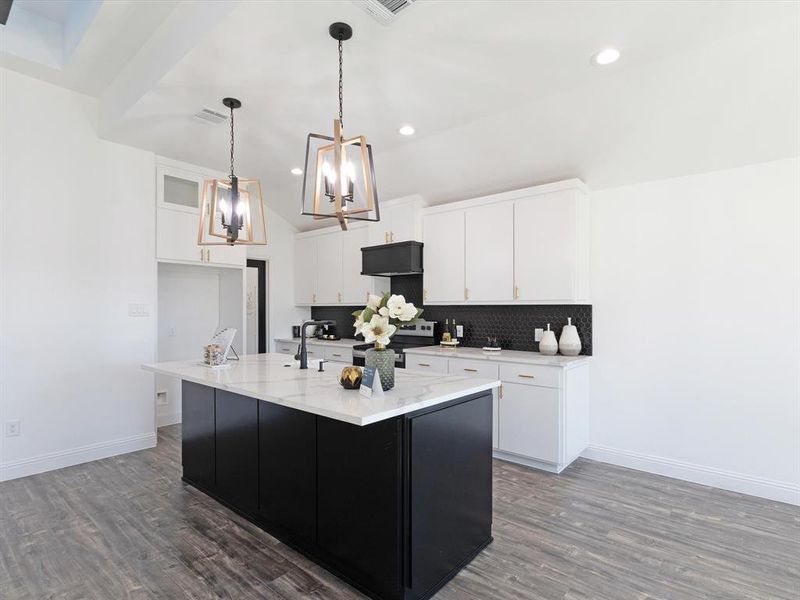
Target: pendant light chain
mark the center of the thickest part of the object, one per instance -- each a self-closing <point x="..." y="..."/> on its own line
<point x="232" y="140"/>
<point x="341" y="101"/>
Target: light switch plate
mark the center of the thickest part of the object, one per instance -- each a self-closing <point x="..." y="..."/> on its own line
<point x="537" y="334"/>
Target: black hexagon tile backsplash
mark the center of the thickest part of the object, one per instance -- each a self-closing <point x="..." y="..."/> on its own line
<point x="512" y="325"/>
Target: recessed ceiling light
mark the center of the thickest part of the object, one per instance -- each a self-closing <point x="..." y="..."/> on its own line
<point x="406" y="130"/>
<point x="297" y="171"/>
<point x="606" y="56"/>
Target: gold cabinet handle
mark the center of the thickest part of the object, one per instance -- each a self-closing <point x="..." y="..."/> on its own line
<point x="385" y="237"/>
<point x="425" y="295"/>
<point x="314" y="298"/>
<point x="423" y="364"/>
<point x="202" y="254"/>
<point x="500" y="392"/>
<point x="516" y="292"/>
<point x="470" y="370"/>
<point x="339" y="295"/>
<point x="391" y="236"/>
<point x="466" y="293"/>
<point x="527" y="376"/>
<point x="339" y="355"/>
<point x="208" y="255"/>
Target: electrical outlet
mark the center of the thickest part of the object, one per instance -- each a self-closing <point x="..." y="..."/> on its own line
<point x="12" y="428"/>
<point x="161" y="398"/>
<point x="459" y="331"/>
<point x="537" y="334"/>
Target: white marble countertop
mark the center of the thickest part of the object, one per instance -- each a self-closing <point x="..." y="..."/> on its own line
<point x="342" y="343"/>
<point x="509" y="356"/>
<point x="266" y="377"/>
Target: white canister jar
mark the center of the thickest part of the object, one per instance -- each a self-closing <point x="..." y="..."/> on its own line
<point x="569" y="344"/>
<point x="548" y="344"/>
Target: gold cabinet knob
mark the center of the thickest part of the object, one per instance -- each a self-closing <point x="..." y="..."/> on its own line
<point x="466" y="293"/>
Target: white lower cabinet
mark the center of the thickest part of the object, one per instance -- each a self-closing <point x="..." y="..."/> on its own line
<point x="529" y="425"/>
<point x="540" y="413"/>
<point x="339" y="355"/>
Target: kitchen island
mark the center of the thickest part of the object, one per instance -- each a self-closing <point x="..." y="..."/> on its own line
<point x="393" y="494"/>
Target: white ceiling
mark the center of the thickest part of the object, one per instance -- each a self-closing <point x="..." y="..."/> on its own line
<point x="502" y="94"/>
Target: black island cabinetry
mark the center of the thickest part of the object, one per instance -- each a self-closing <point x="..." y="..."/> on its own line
<point x="395" y="508"/>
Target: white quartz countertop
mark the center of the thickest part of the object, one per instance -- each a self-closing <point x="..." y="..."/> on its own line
<point x="342" y="343"/>
<point x="266" y="377"/>
<point x="509" y="356"/>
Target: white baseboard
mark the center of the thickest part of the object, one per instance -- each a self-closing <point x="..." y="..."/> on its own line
<point x="75" y="456"/>
<point x="172" y="418"/>
<point x="726" y="480"/>
<point x="525" y="461"/>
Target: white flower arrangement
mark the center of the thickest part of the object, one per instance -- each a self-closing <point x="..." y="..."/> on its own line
<point x="379" y="320"/>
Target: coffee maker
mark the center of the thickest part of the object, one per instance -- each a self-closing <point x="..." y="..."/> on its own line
<point x="327" y="332"/>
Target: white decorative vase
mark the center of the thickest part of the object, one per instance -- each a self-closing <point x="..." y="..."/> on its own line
<point x="569" y="343"/>
<point x="548" y="344"/>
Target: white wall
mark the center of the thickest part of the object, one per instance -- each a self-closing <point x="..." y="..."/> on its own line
<point x="695" y="339"/>
<point x="279" y="251"/>
<point x="78" y="245"/>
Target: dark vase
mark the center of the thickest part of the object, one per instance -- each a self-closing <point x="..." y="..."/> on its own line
<point x="383" y="362"/>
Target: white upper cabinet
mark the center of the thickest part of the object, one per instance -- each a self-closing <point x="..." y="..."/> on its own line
<point x="443" y="256"/>
<point x="355" y="286"/>
<point x="179" y="189"/>
<point x="329" y="268"/>
<point x="528" y="246"/>
<point x="305" y="270"/>
<point x="401" y="221"/>
<point x="489" y="243"/>
<point x="548" y="244"/>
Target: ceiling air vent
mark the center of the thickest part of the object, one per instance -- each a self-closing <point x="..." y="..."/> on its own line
<point x="383" y="11"/>
<point x="208" y="115"/>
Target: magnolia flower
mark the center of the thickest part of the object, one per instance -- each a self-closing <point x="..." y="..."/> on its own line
<point x="374" y="302"/>
<point x="359" y="323"/>
<point x="378" y="330"/>
<point x="400" y="309"/>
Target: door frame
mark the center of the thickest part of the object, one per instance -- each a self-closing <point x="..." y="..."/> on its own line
<point x="261" y="265"/>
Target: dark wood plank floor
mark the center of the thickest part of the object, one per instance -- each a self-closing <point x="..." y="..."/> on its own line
<point x="126" y="527"/>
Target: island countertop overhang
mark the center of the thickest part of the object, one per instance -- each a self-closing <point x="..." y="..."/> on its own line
<point x="266" y="377"/>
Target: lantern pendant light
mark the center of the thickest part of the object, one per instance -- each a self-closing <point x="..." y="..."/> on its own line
<point x="232" y="211"/>
<point x="339" y="179"/>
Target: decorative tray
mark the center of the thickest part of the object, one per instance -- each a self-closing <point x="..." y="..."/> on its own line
<point x="490" y="349"/>
<point x="450" y="344"/>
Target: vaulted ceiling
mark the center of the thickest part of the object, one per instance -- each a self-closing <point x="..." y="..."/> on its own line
<point x="502" y="94"/>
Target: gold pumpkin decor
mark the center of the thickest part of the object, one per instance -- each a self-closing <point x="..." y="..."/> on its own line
<point x="351" y="378"/>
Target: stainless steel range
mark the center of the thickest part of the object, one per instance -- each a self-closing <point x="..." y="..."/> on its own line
<point x="408" y="336"/>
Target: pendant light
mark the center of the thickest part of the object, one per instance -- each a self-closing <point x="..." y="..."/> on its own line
<point x="339" y="179"/>
<point x="232" y="211"/>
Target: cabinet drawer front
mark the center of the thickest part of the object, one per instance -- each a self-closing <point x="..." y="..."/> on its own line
<point x="426" y="364"/>
<point x="529" y="421"/>
<point x="342" y="355"/>
<point x="285" y="348"/>
<point x="473" y="368"/>
<point x="531" y="375"/>
<point x="315" y="351"/>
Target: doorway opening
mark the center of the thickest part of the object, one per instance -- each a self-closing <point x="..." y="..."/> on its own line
<point x="256" y="306"/>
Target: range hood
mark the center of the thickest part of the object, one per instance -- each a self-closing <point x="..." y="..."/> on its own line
<point x="401" y="258"/>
